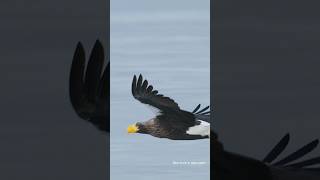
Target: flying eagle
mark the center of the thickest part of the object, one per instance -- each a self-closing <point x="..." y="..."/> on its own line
<point x="89" y="86"/>
<point x="170" y="122"/>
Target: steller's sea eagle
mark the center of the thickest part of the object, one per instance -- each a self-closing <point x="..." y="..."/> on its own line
<point x="170" y="122"/>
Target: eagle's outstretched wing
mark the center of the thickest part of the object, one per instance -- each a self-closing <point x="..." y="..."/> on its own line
<point x="145" y="93"/>
<point x="169" y="111"/>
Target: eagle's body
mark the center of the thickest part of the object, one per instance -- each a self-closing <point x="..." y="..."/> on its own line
<point x="159" y="127"/>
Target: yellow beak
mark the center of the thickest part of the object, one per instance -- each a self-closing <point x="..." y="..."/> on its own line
<point x="132" y="128"/>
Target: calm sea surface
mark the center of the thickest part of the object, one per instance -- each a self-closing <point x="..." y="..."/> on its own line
<point x="169" y="45"/>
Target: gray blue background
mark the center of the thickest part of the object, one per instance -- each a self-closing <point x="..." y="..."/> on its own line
<point x="41" y="136"/>
<point x="265" y="75"/>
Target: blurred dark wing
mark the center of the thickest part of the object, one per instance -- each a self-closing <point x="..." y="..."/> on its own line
<point x="103" y="101"/>
<point x="277" y="150"/>
<point x="93" y="71"/>
<point x="89" y="95"/>
<point x="144" y="92"/>
<point x="289" y="159"/>
<point x="243" y="168"/>
<point x="305" y="163"/>
<point x="104" y="89"/>
<point x="298" y="154"/>
<point x="76" y="83"/>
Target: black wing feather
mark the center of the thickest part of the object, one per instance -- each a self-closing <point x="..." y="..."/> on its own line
<point x="89" y="95"/>
<point x="104" y="83"/>
<point x="196" y="109"/>
<point x="93" y="71"/>
<point x="202" y="114"/>
<point x="202" y="111"/>
<point x="76" y="89"/>
<point x="298" y="154"/>
<point x="309" y="162"/>
<point x="277" y="150"/>
<point x="146" y="95"/>
<point x="285" y="162"/>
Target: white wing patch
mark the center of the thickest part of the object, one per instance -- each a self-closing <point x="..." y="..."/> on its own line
<point x="202" y="129"/>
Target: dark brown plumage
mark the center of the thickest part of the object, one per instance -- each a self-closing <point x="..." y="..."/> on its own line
<point x="171" y="122"/>
<point x="230" y="166"/>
